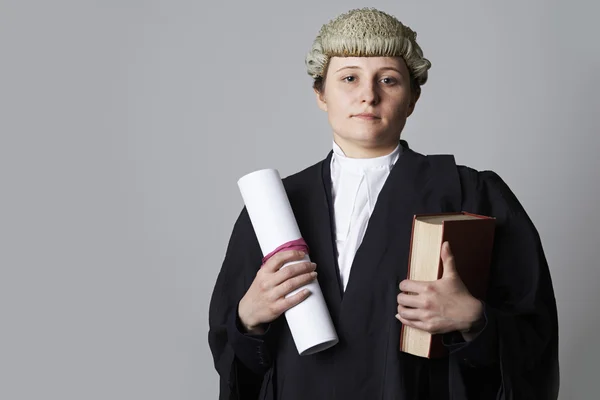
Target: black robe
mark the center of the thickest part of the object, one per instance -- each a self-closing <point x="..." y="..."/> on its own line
<point x="515" y="356"/>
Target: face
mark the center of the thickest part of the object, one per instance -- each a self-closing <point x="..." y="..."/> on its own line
<point x="367" y="100"/>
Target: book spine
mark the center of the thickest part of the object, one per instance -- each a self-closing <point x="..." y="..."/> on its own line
<point x="412" y="232"/>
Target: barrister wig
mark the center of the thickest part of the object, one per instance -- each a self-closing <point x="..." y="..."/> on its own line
<point x="366" y="32"/>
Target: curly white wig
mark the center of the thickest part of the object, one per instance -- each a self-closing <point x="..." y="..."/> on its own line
<point x="366" y="32"/>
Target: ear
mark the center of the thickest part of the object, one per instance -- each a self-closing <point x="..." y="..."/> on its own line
<point x="321" y="100"/>
<point x="413" y="103"/>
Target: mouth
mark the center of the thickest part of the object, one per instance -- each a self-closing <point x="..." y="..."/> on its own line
<point x="366" y="116"/>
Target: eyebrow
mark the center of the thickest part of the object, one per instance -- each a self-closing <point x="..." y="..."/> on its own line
<point x="380" y="69"/>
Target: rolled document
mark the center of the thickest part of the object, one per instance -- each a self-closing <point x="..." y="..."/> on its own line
<point x="274" y="224"/>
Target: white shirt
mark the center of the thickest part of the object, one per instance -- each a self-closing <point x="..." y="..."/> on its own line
<point x="356" y="183"/>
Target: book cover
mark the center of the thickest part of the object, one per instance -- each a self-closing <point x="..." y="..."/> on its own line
<point x="471" y="238"/>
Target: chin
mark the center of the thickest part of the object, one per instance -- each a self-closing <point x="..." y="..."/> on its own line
<point x="370" y="138"/>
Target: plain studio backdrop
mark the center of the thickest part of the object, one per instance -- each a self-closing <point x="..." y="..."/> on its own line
<point x="126" y="124"/>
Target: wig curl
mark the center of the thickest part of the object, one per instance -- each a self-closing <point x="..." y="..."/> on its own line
<point x="367" y="32"/>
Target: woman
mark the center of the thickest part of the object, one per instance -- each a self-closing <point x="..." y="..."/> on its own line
<point x="355" y="211"/>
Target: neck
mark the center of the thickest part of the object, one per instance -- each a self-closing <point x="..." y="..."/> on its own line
<point x="361" y="150"/>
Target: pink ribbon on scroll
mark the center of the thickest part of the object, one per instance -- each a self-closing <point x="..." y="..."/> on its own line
<point x="298" y="244"/>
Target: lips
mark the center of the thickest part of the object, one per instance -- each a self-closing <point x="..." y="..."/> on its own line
<point x="367" y="116"/>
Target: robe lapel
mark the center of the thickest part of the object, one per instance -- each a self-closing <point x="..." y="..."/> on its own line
<point x="316" y="225"/>
<point x="409" y="190"/>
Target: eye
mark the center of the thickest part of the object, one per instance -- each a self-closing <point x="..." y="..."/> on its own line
<point x="349" y="78"/>
<point x="389" y="81"/>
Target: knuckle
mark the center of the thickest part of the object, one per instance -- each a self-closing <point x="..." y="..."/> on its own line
<point x="296" y="282"/>
<point x="286" y="303"/>
<point x="267" y="267"/>
<point x="303" y="267"/>
<point x="288" y="286"/>
<point x="291" y="271"/>
<point x="274" y="309"/>
<point x="262" y="285"/>
<point x="271" y="296"/>
<point x="261" y="273"/>
<point x="280" y="308"/>
<point x="271" y="262"/>
<point x="298" y="298"/>
<point x="278" y="259"/>
<point x="281" y="256"/>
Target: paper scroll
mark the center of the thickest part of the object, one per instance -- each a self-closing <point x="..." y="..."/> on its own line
<point x="274" y="224"/>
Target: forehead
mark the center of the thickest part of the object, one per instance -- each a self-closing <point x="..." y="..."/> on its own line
<point x="368" y="63"/>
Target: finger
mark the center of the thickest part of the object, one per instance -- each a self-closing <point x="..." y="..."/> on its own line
<point x="447" y="261"/>
<point x="285" y="303"/>
<point x="410" y="300"/>
<point x="424" y="326"/>
<point x="410" y="314"/>
<point x="292" y="271"/>
<point x="292" y="284"/>
<point x="415" y="287"/>
<point x="278" y="260"/>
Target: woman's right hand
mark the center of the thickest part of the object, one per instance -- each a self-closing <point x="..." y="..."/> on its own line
<point x="265" y="299"/>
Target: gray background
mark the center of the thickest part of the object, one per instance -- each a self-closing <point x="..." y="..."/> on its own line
<point x="125" y="125"/>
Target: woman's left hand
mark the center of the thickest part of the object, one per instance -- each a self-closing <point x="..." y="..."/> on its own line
<point x="440" y="306"/>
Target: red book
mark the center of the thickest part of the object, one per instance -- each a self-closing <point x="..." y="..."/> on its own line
<point x="471" y="239"/>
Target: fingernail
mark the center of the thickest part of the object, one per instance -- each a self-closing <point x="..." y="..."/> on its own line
<point x="313" y="274"/>
<point x="301" y="254"/>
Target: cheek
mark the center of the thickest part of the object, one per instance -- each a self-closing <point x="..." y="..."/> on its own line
<point x="337" y="119"/>
<point x="400" y="109"/>
<point x="339" y="109"/>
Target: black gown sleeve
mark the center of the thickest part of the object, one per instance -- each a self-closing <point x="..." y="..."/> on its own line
<point x="520" y="338"/>
<point x="479" y="352"/>
<point x="240" y="359"/>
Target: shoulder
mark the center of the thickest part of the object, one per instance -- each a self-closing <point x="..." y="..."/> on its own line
<point x="300" y="177"/>
<point x="484" y="184"/>
<point x="306" y="178"/>
<point x="295" y="185"/>
<point x="488" y="191"/>
<point x="481" y="191"/>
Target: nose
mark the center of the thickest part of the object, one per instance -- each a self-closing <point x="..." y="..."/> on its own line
<point x="369" y="93"/>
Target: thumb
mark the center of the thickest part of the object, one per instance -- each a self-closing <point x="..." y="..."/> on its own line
<point x="448" y="261"/>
